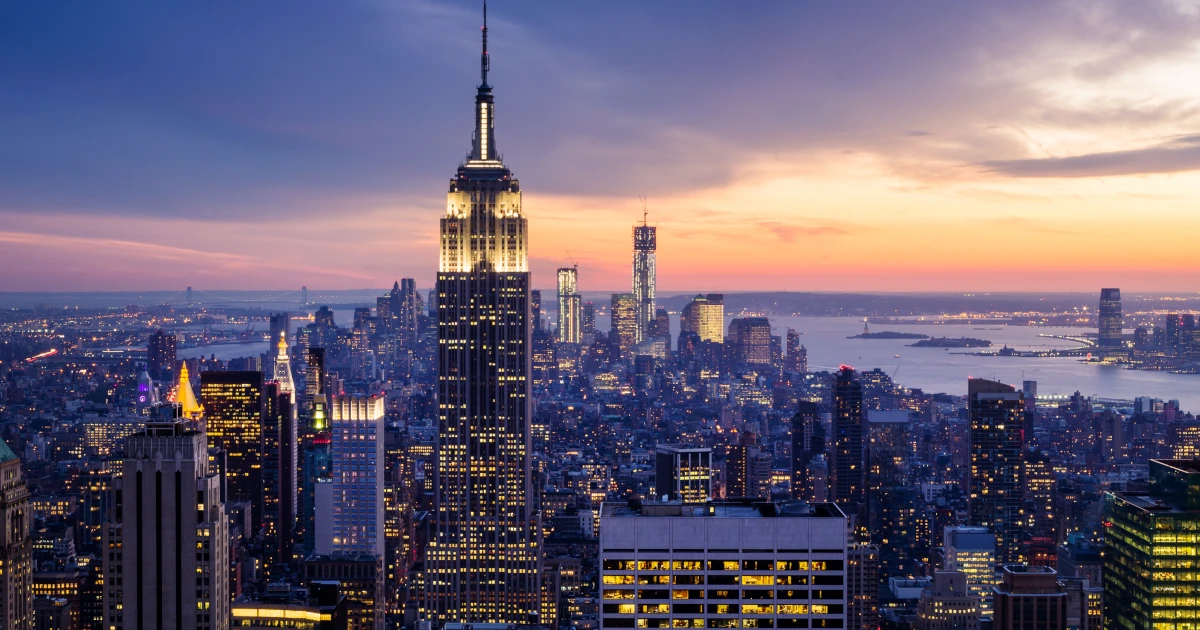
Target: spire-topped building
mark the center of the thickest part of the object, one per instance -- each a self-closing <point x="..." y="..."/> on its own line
<point x="483" y="555"/>
<point x="283" y="368"/>
<point x="185" y="396"/>
<point x="645" y="242"/>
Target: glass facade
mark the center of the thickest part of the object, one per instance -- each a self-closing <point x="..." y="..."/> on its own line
<point x="1151" y="551"/>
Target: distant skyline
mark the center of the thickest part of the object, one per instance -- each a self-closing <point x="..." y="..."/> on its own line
<point x="873" y="147"/>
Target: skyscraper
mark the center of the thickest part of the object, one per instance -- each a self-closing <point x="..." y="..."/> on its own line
<point x="972" y="550"/>
<point x="705" y="316"/>
<point x="847" y="466"/>
<point x="797" y="354"/>
<point x="407" y="311"/>
<point x="808" y="442"/>
<point x="483" y="554"/>
<point x="175" y="535"/>
<point x="232" y="404"/>
<point x="1150" y="549"/>
<point x="587" y="323"/>
<point x="280" y="459"/>
<point x="644" y="244"/>
<point x="160" y="355"/>
<point x="1032" y="597"/>
<point x="356" y="428"/>
<point x="625" y="327"/>
<point x="997" y="482"/>
<point x="751" y="339"/>
<point x="1111" y="323"/>
<point x="16" y="549"/>
<point x="569" y="304"/>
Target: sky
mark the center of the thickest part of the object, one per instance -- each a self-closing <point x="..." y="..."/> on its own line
<point x="1025" y="145"/>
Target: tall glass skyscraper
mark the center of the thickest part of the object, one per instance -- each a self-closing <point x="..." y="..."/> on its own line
<point x="1110" y="318"/>
<point x="645" y="241"/>
<point x="482" y="563"/>
<point x="569" y="305"/>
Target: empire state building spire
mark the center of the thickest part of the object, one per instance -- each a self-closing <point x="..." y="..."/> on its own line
<point x="484" y="146"/>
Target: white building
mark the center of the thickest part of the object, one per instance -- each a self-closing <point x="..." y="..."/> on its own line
<point x="734" y="564"/>
<point x="972" y="550"/>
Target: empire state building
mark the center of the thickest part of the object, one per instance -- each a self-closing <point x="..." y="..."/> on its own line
<point x="482" y="563"/>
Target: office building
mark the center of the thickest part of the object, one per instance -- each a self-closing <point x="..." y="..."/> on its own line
<point x="232" y="404"/>
<point x="751" y="340"/>
<point x="847" y="466"/>
<point x="160" y="355"/>
<point x="862" y="586"/>
<point x="808" y="443"/>
<point x="644" y="244"/>
<point x="587" y="323"/>
<point x="725" y="564"/>
<point x="972" y="551"/>
<point x="683" y="473"/>
<point x="280" y="461"/>
<point x="1150" y="550"/>
<point x="1111" y="323"/>
<point x="175" y="534"/>
<point x="356" y="486"/>
<point x="1030" y="598"/>
<point x="893" y="505"/>
<point x="705" y="316"/>
<point x="569" y="306"/>
<point x="948" y="604"/>
<point x="321" y="607"/>
<point x="625" y="327"/>
<point x="748" y="468"/>
<point x="997" y="486"/>
<point x="660" y="328"/>
<point x="796" y="359"/>
<point x="16" y="548"/>
<point x="406" y="311"/>
<point x="483" y="555"/>
<point x="360" y="580"/>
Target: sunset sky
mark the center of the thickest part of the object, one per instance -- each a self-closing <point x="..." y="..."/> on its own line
<point x="809" y="146"/>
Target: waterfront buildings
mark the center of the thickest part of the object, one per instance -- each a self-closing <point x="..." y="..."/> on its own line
<point x="997" y="483"/>
<point x="482" y="561"/>
<point x="1111" y="322"/>
<point x="724" y="564"/>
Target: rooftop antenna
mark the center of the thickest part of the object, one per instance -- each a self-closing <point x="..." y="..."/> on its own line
<point x="645" y="212"/>
<point x="484" y="66"/>
<point x="573" y="263"/>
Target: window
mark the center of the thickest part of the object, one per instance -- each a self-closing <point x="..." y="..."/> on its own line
<point x="758" y="580"/>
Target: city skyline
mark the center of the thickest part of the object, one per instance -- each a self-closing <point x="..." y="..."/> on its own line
<point x="144" y="156"/>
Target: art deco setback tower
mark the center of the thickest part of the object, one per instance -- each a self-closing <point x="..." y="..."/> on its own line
<point x="482" y="560"/>
<point x="16" y="549"/>
<point x="645" y="241"/>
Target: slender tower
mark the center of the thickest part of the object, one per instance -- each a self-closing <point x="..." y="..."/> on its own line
<point x="483" y="555"/>
<point x="645" y="241"/>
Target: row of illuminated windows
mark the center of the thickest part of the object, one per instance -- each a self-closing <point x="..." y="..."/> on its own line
<point x="756" y="594"/>
<point x="723" y="565"/>
<point x="750" y="580"/>
<point x="783" y="622"/>
<point x="725" y="609"/>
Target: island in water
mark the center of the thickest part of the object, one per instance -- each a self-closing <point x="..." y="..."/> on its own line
<point x="949" y="342"/>
<point x="889" y="334"/>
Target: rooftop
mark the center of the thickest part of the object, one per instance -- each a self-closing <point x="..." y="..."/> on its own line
<point x="749" y="508"/>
